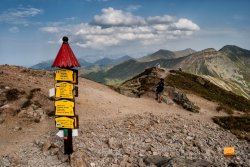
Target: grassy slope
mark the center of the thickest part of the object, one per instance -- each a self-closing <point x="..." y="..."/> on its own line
<point x="240" y="126"/>
<point x="206" y="89"/>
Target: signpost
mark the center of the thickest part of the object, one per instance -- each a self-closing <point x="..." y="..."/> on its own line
<point x="66" y="90"/>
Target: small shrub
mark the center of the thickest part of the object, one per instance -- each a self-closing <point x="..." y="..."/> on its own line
<point x="51" y="98"/>
<point x="50" y="113"/>
<point x="32" y="91"/>
<point x="16" y="111"/>
<point x="12" y="94"/>
<point x="37" y="104"/>
<point x="26" y="104"/>
<point x="36" y="120"/>
<point x="30" y="96"/>
<point x="35" y="90"/>
<point x="224" y="108"/>
<point x="239" y="126"/>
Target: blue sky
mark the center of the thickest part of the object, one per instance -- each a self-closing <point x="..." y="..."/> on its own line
<point x="31" y="30"/>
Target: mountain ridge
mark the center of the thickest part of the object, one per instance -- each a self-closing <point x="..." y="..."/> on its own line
<point x="208" y="62"/>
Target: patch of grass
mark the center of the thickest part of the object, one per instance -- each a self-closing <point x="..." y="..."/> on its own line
<point x="35" y="90"/>
<point x="50" y="113"/>
<point x="37" y="104"/>
<point x="32" y="91"/>
<point x="226" y="109"/>
<point x="26" y="104"/>
<point x="207" y="89"/>
<point x="239" y="126"/>
<point x="30" y="96"/>
<point x="12" y="94"/>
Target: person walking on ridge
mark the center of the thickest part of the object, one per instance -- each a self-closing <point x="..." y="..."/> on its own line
<point x="159" y="90"/>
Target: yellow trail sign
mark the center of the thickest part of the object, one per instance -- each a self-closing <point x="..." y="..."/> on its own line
<point x="64" y="90"/>
<point x="64" y="108"/>
<point x="66" y="122"/>
<point x="66" y="75"/>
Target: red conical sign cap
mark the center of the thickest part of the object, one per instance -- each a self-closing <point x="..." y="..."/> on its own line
<point x="65" y="57"/>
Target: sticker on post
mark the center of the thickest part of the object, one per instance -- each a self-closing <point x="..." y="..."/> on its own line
<point x="64" y="108"/>
<point x="64" y="90"/>
<point x="61" y="134"/>
<point x="75" y="132"/>
<point x="51" y="92"/>
<point x="65" y="122"/>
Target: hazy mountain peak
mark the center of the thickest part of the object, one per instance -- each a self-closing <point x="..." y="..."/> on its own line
<point x="163" y="51"/>
<point x="160" y="54"/>
<point x="185" y="52"/>
<point x="209" y="50"/>
<point x="230" y="47"/>
<point x="233" y="49"/>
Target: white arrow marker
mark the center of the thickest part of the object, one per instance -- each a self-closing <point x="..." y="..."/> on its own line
<point x="60" y="133"/>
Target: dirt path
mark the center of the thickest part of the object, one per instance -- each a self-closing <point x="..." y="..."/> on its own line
<point x="96" y="102"/>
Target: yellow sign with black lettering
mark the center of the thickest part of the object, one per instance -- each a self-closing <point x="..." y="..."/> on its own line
<point x="64" y="108"/>
<point x="66" y="75"/>
<point x="66" y="122"/>
<point x="64" y="90"/>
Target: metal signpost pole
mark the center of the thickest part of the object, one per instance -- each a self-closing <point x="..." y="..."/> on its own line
<point x="65" y="92"/>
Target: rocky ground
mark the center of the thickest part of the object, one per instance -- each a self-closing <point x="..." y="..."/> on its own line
<point x="131" y="140"/>
<point x="115" y="130"/>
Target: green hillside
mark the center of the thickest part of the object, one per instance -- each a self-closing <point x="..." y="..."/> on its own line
<point x="207" y="89"/>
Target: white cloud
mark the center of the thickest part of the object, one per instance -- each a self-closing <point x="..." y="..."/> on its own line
<point x="71" y="18"/>
<point x="116" y="28"/>
<point x="132" y="8"/>
<point x="166" y="19"/>
<point x="50" y="29"/>
<point x="185" y="24"/>
<point x="19" y="16"/>
<point x="112" y="17"/>
<point x="14" y="29"/>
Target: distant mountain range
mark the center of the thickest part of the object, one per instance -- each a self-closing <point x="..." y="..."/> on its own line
<point x="108" y="61"/>
<point x="46" y="65"/>
<point x="229" y="67"/>
<point x="166" y="54"/>
<point x="132" y="67"/>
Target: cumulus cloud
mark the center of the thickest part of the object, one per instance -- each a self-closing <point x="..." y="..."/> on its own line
<point x="14" y="29"/>
<point x="119" y="28"/>
<point x="166" y="19"/>
<point x="19" y="15"/>
<point x="112" y="17"/>
<point x="185" y="24"/>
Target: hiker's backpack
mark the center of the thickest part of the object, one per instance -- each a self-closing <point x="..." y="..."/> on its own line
<point x="160" y="87"/>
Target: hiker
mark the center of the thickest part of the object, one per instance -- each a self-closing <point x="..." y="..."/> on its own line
<point x="159" y="90"/>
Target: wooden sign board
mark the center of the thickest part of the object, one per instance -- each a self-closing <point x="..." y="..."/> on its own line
<point x="66" y="122"/>
<point x="64" y="108"/>
<point x="67" y="75"/>
<point x="64" y="90"/>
